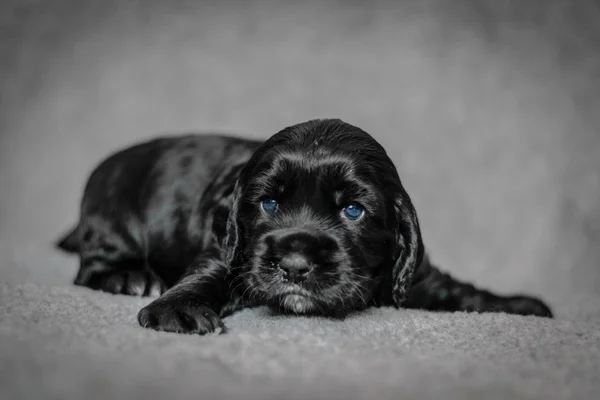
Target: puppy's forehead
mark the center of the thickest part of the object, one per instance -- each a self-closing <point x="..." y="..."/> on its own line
<point x="336" y="166"/>
<point x="312" y="159"/>
<point x="301" y="173"/>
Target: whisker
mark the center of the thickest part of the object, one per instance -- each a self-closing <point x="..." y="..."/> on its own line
<point x="240" y="276"/>
<point x="252" y="288"/>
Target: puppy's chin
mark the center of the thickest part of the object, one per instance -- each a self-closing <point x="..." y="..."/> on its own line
<point x="292" y="298"/>
<point x="297" y="304"/>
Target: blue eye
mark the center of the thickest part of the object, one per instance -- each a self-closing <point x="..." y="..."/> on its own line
<point x="353" y="212"/>
<point x="269" y="205"/>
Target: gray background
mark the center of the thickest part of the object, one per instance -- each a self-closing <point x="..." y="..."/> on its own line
<point x="490" y="110"/>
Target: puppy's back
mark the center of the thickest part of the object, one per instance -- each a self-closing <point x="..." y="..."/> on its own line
<point x="151" y="186"/>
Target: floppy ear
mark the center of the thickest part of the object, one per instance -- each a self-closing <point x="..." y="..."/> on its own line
<point x="408" y="249"/>
<point x="234" y="239"/>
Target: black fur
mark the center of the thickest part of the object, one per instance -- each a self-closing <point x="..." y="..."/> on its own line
<point x="182" y="217"/>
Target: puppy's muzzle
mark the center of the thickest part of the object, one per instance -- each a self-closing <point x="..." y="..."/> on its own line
<point x="296" y="253"/>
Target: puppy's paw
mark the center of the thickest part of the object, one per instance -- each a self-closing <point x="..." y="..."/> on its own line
<point x="130" y="281"/>
<point x="170" y="316"/>
<point x="526" y="305"/>
<point x="135" y="283"/>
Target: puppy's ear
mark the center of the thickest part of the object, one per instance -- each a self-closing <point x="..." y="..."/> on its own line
<point x="408" y="249"/>
<point x="233" y="239"/>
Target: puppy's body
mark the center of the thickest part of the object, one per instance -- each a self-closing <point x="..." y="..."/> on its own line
<point x="185" y="217"/>
<point x="154" y="206"/>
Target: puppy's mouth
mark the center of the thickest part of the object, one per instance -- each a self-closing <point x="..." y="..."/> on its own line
<point x="294" y="289"/>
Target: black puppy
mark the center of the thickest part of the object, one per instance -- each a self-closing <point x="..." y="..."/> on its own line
<point x="314" y="220"/>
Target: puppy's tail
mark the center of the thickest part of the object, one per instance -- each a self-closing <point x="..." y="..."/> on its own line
<point x="69" y="243"/>
<point x="435" y="290"/>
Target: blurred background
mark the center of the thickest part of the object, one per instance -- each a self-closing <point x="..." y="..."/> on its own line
<point x="490" y="110"/>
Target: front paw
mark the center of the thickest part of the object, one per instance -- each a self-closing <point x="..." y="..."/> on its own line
<point x="170" y="316"/>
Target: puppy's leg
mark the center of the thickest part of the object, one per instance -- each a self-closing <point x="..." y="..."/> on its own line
<point x="112" y="262"/>
<point x="435" y="290"/>
<point x="193" y="305"/>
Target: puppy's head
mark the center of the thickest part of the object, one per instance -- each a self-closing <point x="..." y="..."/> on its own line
<point x="321" y="224"/>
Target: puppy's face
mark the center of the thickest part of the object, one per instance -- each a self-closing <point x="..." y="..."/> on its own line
<point x="317" y="222"/>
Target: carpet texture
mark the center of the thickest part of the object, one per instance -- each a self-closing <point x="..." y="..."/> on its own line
<point x="73" y="343"/>
<point x="490" y="110"/>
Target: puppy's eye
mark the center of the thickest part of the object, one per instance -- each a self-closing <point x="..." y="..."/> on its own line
<point x="268" y="205"/>
<point x="353" y="212"/>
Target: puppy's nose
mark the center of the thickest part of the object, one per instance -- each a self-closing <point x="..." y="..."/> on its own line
<point x="295" y="267"/>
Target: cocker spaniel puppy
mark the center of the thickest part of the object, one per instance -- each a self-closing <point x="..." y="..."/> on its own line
<point x="314" y="221"/>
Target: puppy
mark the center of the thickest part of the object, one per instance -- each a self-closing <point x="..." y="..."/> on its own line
<point x="314" y="221"/>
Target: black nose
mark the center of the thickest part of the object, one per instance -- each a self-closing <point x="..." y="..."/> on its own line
<point x="295" y="267"/>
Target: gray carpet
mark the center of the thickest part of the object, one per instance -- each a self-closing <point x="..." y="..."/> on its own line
<point x="490" y="110"/>
<point x="73" y="343"/>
